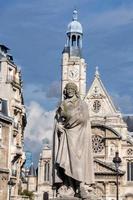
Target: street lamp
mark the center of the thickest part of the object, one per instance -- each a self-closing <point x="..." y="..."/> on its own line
<point x="54" y="189"/>
<point x="117" y="161"/>
<point x="11" y="184"/>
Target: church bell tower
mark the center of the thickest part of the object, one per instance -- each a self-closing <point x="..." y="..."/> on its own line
<point x="73" y="65"/>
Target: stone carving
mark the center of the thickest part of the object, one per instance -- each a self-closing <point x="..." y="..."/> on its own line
<point x="129" y="152"/>
<point x="73" y="167"/>
<point x="98" y="144"/>
<point x="96" y="106"/>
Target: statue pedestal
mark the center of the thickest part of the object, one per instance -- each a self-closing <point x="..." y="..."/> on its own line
<point x="66" y="198"/>
<point x="87" y="193"/>
<point x="72" y="198"/>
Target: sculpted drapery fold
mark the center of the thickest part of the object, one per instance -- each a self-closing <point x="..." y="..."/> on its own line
<point x="72" y="142"/>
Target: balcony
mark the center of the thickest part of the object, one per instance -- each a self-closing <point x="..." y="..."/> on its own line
<point x="16" y="152"/>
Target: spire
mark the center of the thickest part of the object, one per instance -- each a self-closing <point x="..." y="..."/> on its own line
<point x="97" y="72"/>
<point x="75" y="15"/>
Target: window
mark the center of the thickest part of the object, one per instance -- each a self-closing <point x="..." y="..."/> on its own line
<point x="46" y="171"/>
<point x="0" y="72"/>
<point x="0" y="105"/>
<point x="0" y="132"/>
<point x="14" y="169"/>
<point x="97" y="143"/>
<point x="74" y="41"/>
<point x="130" y="170"/>
<point x="130" y="152"/>
<point x="10" y="74"/>
<point x="78" y="41"/>
<point x="15" y="93"/>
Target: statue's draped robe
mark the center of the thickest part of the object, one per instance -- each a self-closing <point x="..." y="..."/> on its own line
<point x="72" y="143"/>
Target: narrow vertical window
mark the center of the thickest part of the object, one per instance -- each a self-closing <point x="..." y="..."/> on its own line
<point x="130" y="171"/>
<point x="0" y="72"/>
<point x="78" y="41"/>
<point x="10" y="74"/>
<point x="74" y="41"/>
<point x="0" y="105"/>
<point x="0" y="132"/>
<point x="46" y="171"/>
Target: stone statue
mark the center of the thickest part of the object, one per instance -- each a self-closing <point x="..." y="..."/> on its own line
<point x="72" y="145"/>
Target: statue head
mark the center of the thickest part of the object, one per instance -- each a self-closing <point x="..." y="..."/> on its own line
<point x="70" y="90"/>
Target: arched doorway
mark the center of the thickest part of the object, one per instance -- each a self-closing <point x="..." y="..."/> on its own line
<point x="45" y="196"/>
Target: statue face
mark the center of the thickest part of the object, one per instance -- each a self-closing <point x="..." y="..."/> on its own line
<point x="70" y="92"/>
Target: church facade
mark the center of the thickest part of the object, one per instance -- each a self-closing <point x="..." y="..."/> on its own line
<point x="109" y="131"/>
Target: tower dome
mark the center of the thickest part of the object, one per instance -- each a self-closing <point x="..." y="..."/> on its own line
<point x="74" y="26"/>
<point x="74" y="37"/>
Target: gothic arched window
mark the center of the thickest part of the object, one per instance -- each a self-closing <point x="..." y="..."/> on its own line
<point x="46" y="171"/>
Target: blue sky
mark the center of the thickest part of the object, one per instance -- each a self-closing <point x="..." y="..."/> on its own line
<point x="35" y="31"/>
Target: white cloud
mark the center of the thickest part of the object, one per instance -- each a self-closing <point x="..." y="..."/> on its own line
<point x="40" y="125"/>
<point x="40" y="122"/>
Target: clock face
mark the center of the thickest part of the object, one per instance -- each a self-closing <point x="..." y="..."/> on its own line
<point x="73" y="73"/>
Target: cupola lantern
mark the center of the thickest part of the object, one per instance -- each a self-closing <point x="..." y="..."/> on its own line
<point x="74" y="36"/>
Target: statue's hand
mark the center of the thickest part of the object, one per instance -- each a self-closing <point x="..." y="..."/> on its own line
<point x="60" y="128"/>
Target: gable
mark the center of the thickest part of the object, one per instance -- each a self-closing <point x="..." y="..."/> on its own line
<point x="99" y="101"/>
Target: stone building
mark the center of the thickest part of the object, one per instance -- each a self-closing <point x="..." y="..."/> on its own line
<point x="44" y="187"/>
<point x="5" y="123"/>
<point x="109" y="130"/>
<point x="12" y="124"/>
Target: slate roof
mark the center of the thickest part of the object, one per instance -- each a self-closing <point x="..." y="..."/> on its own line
<point x="109" y="166"/>
<point x="129" y="121"/>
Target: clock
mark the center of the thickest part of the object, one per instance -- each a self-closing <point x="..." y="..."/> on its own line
<point x="73" y="73"/>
